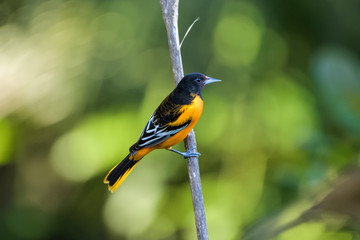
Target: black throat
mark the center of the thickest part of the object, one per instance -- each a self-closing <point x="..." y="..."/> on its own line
<point x="182" y="96"/>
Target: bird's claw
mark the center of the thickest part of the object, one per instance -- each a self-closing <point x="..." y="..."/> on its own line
<point x="186" y="154"/>
<point x="189" y="153"/>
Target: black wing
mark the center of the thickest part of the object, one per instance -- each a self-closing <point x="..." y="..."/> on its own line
<point x="157" y="128"/>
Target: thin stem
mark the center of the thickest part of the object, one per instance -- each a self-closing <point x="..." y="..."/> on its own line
<point x="187" y="32"/>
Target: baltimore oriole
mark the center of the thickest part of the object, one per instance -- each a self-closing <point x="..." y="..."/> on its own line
<point x="170" y="124"/>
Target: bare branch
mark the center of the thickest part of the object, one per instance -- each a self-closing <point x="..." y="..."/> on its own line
<point x="170" y="15"/>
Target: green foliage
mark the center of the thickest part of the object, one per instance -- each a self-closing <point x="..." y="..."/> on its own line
<point x="79" y="80"/>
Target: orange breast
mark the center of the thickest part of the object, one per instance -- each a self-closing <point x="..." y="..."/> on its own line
<point x="189" y="112"/>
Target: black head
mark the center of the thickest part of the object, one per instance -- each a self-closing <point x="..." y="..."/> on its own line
<point x="194" y="82"/>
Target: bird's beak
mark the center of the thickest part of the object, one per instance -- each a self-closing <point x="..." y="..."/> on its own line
<point x="209" y="80"/>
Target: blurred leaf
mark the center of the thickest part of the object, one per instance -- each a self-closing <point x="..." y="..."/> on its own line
<point x="285" y="114"/>
<point x="26" y="222"/>
<point x="237" y="36"/>
<point x="94" y="145"/>
<point x="131" y="210"/>
<point x="337" y="75"/>
<point x="6" y="141"/>
<point x="309" y="231"/>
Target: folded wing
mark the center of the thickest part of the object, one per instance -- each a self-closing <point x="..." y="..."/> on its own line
<point x="158" y="127"/>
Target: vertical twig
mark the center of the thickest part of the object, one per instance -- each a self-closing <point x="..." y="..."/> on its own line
<point x="170" y="15"/>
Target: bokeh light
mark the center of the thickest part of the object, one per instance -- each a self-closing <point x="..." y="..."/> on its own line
<point x="279" y="136"/>
<point x="237" y="36"/>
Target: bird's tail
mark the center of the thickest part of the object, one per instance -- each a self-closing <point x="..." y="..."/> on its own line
<point x="118" y="173"/>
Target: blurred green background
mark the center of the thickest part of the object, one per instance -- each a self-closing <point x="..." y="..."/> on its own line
<point x="79" y="80"/>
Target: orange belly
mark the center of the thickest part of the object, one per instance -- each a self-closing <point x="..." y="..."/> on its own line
<point x="189" y="112"/>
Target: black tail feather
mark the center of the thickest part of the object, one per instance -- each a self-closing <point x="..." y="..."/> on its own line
<point x="118" y="174"/>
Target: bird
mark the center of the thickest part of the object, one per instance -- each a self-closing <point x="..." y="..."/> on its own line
<point x="171" y="122"/>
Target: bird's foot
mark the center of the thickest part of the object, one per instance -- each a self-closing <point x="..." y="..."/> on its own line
<point x="186" y="154"/>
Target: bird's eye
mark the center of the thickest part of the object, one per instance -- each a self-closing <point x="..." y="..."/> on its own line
<point x="198" y="80"/>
